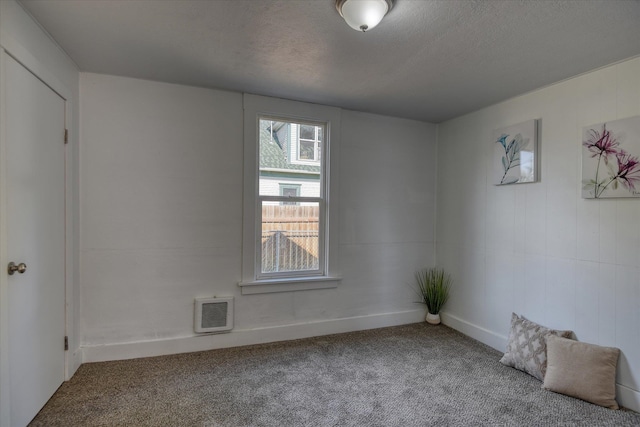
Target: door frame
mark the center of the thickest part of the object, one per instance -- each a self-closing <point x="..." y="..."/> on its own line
<point x="73" y="357"/>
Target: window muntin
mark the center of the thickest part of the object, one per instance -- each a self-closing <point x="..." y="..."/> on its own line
<point x="291" y="200"/>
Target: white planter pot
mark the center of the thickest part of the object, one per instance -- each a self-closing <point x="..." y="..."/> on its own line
<point x="434" y="319"/>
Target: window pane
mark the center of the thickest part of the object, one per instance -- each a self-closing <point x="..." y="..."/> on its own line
<point x="290" y="192"/>
<point x="307" y="150"/>
<point x="319" y="145"/>
<point x="287" y="190"/>
<point x="290" y="237"/>
<point x="285" y="159"/>
<point x="307" y="132"/>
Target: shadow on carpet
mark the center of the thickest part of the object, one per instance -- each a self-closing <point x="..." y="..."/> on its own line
<point x="411" y="375"/>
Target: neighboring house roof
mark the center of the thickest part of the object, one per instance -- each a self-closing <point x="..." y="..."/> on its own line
<point x="273" y="153"/>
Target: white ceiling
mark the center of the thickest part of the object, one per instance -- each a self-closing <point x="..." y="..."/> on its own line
<point x="427" y="60"/>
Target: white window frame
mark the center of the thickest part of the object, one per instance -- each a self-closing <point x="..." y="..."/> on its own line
<point x="253" y="280"/>
<point x="320" y="199"/>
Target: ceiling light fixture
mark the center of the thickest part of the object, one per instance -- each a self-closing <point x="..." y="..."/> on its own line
<point x="363" y="15"/>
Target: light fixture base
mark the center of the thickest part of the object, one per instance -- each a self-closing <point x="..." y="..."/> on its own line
<point x="363" y="15"/>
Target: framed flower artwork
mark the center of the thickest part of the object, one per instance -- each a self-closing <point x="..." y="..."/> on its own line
<point x="515" y="155"/>
<point x="611" y="159"/>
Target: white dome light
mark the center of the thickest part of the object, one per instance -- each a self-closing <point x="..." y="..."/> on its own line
<point x="363" y="15"/>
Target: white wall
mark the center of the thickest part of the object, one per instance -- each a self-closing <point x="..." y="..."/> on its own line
<point x="161" y="210"/>
<point x="23" y="38"/>
<point x="540" y="249"/>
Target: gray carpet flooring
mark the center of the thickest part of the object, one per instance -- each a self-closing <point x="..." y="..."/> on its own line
<point x="412" y="375"/>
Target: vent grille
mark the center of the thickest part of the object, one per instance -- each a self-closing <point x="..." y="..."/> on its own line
<point x="213" y="315"/>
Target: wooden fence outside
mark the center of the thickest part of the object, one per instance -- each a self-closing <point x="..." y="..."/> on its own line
<point x="289" y="238"/>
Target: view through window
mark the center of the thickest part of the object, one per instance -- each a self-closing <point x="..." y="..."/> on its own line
<point x="291" y="198"/>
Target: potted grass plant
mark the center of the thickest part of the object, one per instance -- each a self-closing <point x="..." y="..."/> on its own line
<point x="433" y="288"/>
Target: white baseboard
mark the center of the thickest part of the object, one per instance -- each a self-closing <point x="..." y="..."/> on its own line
<point x="625" y="396"/>
<point x="485" y="336"/>
<point x="240" y="337"/>
<point x="628" y="397"/>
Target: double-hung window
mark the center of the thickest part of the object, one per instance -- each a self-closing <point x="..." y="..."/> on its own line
<point x="290" y="196"/>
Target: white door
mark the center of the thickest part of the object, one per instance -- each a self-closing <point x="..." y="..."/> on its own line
<point x="35" y="208"/>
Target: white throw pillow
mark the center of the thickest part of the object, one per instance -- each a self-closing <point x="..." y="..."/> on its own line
<point x="527" y="346"/>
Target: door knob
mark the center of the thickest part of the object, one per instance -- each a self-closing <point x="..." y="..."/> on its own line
<point x="20" y="268"/>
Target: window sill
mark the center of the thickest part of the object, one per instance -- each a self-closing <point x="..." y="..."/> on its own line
<point x="288" y="285"/>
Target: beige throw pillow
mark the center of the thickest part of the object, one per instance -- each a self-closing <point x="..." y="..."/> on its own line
<point x="585" y="371"/>
<point x="527" y="346"/>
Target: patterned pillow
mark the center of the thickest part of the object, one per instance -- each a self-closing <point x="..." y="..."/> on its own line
<point x="527" y="346"/>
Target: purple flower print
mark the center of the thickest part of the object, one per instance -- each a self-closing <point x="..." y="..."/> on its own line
<point x="628" y="170"/>
<point x="625" y="170"/>
<point x="628" y="173"/>
<point x="605" y="146"/>
<point x="601" y="144"/>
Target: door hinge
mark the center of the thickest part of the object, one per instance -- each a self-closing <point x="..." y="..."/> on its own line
<point x="66" y="343"/>
<point x="66" y="136"/>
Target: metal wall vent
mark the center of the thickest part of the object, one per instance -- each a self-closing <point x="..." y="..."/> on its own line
<point x="213" y="314"/>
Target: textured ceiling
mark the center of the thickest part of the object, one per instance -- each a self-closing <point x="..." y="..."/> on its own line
<point x="427" y="60"/>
